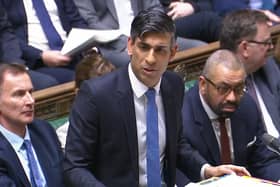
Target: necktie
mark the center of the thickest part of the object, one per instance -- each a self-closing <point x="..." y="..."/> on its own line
<point x="224" y="141"/>
<point x="35" y="178"/>
<point x="153" y="159"/>
<point x="54" y="39"/>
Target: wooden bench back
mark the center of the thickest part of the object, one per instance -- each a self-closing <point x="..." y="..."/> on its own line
<point x="55" y="102"/>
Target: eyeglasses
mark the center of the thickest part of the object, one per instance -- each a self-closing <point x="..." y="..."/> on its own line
<point x="265" y="43"/>
<point x="226" y="89"/>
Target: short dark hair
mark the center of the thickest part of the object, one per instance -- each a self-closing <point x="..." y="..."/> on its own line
<point x="12" y="68"/>
<point x="153" y="19"/>
<point x="240" y="25"/>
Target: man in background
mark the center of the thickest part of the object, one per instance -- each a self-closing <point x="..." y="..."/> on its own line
<point x="30" y="153"/>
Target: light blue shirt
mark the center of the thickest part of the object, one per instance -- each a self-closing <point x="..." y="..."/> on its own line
<point x="16" y="142"/>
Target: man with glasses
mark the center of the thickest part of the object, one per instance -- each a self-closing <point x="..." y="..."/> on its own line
<point x="247" y="34"/>
<point x="222" y="122"/>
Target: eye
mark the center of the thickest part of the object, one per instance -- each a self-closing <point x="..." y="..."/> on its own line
<point x="223" y="89"/>
<point x="143" y="47"/>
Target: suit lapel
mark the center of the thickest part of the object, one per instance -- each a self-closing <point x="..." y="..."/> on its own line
<point x="268" y="97"/>
<point x="171" y="124"/>
<point x="126" y="103"/>
<point x="209" y="138"/>
<point x="206" y="130"/>
<point x="9" y="156"/>
<point x="42" y="154"/>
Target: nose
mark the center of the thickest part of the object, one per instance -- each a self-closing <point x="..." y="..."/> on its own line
<point x="231" y="96"/>
<point x="271" y="46"/>
<point x="29" y="98"/>
<point x="150" y="58"/>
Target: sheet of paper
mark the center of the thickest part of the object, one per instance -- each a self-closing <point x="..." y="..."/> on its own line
<point x="234" y="181"/>
<point x="81" y="39"/>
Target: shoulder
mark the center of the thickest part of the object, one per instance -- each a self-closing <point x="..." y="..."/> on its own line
<point x="42" y="129"/>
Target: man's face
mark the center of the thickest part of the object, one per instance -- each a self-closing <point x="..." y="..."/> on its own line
<point x="150" y="56"/>
<point x="258" y="48"/>
<point x="16" y="101"/>
<point x="223" y="91"/>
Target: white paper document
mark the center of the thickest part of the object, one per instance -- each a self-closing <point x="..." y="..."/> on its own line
<point x="237" y="181"/>
<point x="82" y="39"/>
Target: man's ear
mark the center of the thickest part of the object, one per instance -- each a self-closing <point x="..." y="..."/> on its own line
<point x="202" y="85"/>
<point x="173" y="51"/>
<point x="129" y="46"/>
<point x="242" y="49"/>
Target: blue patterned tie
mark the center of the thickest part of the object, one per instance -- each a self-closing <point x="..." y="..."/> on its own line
<point x="54" y="39"/>
<point x="153" y="159"/>
<point x="35" y="178"/>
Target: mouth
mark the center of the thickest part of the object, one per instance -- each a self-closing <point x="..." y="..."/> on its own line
<point x="28" y="112"/>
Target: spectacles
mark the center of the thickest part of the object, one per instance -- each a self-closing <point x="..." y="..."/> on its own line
<point x="226" y="89"/>
<point x="265" y="43"/>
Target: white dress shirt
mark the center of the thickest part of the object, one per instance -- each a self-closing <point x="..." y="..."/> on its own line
<point x="36" y="35"/>
<point x="140" y="102"/>
<point x="125" y="15"/>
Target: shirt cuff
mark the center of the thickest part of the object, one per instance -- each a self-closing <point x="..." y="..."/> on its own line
<point x="202" y="171"/>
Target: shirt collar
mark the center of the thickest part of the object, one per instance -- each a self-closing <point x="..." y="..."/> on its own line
<point x="212" y="115"/>
<point x="15" y="140"/>
<point x="138" y="87"/>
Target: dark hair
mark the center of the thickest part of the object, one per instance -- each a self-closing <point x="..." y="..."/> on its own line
<point x="92" y="65"/>
<point x="153" y="19"/>
<point x="12" y="68"/>
<point x="240" y="25"/>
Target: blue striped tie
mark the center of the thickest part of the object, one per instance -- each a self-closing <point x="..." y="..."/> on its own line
<point x="35" y="178"/>
<point x="54" y="40"/>
<point x="153" y="159"/>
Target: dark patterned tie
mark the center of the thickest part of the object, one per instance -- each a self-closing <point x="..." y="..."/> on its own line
<point x="224" y="141"/>
<point x="153" y="159"/>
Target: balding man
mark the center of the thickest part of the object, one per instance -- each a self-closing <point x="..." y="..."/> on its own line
<point x="223" y="123"/>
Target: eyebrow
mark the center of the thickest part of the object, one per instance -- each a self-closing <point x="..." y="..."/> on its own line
<point x="160" y="45"/>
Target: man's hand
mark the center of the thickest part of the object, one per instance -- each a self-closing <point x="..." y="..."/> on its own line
<point x="271" y="16"/>
<point x="211" y="171"/>
<point x="55" y="58"/>
<point x="180" y="9"/>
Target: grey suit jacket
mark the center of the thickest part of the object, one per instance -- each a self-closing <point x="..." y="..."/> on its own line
<point x="267" y="80"/>
<point x="101" y="14"/>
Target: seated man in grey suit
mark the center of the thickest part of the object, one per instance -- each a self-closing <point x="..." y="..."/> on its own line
<point x="30" y="153"/>
<point x="118" y="14"/>
<point x="223" y="123"/>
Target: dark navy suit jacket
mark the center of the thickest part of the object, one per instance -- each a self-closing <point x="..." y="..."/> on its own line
<point x="247" y="128"/>
<point x="267" y="80"/>
<point x="102" y="145"/>
<point x="68" y="14"/>
<point x="47" y="148"/>
<point x="9" y="46"/>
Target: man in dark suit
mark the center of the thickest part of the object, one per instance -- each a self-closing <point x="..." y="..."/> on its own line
<point x="247" y="34"/>
<point x="10" y="51"/>
<point x="220" y="95"/>
<point x="19" y="131"/>
<point x="37" y="51"/>
<point x="107" y="139"/>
